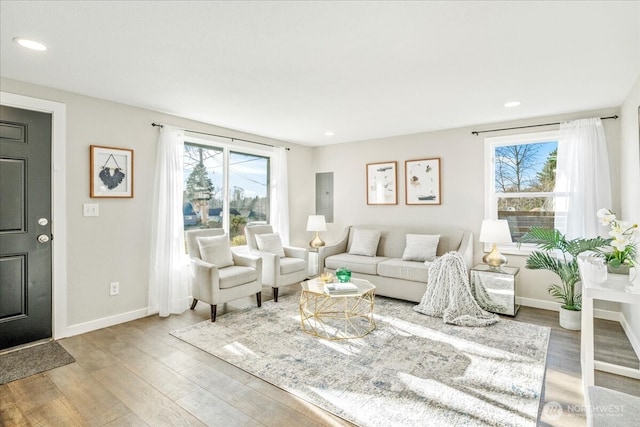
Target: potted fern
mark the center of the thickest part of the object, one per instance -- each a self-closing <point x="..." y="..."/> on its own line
<point x="559" y="255"/>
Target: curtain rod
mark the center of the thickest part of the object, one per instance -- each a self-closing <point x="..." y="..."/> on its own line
<point x="221" y="136"/>
<point x="477" y="132"/>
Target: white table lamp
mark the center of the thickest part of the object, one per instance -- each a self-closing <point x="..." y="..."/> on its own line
<point x="316" y="223"/>
<point x="495" y="231"/>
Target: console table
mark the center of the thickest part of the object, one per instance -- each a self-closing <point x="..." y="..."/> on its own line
<point x="613" y="289"/>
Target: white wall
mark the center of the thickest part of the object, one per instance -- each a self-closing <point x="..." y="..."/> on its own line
<point x="462" y="176"/>
<point x="115" y="245"/>
<point x="630" y="185"/>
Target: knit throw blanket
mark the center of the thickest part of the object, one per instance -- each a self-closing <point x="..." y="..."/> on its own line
<point x="449" y="295"/>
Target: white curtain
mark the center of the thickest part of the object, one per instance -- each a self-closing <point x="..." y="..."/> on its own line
<point x="279" y="212"/>
<point x="168" y="278"/>
<point x="582" y="174"/>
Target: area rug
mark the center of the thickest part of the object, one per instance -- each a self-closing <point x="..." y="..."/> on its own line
<point x="412" y="370"/>
<point x="32" y="360"/>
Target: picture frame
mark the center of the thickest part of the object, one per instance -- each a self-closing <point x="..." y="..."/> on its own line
<point x="111" y="172"/>
<point x="382" y="183"/>
<point x="422" y="182"/>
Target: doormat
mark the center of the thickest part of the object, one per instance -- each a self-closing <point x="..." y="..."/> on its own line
<point x="412" y="370"/>
<point x="33" y="360"/>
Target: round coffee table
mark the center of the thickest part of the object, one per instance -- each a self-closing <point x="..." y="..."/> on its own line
<point x="337" y="316"/>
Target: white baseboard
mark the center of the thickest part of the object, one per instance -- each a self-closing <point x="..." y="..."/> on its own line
<point x="633" y="339"/>
<point x="555" y="306"/>
<point x="105" y="322"/>
<point x="538" y="303"/>
<point x="616" y="316"/>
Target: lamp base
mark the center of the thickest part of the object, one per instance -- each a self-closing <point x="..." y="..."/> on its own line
<point x="494" y="258"/>
<point x="316" y="242"/>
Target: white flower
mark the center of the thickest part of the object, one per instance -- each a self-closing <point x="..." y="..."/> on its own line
<point x="620" y="244"/>
<point x="605" y="216"/>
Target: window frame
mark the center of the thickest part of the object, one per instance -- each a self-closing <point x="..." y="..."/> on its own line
<point x="236" y="146"/>
<point x="491" y="195"/>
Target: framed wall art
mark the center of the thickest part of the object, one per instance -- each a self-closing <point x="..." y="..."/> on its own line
<point x="382" y="183"/>
<point x="111" y="172"/>
<point x="422" y="181"/>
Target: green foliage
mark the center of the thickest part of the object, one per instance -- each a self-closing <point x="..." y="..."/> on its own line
<point x="237" y="221"/>
<point x="239" y="240"/>
<point x="199" y="184"/>
<point x="565" y="267"/>
<point x="547" y="176"/>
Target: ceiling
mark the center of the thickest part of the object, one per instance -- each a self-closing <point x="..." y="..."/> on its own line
<point x="364" y="70"/>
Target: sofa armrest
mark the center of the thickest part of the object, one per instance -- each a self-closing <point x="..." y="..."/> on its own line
<point x="466" y="249"/>
<point x="246" y="260"/>
<point x="249" y="261"/>
<point x="270" y="267"/>
<point x="205" y="281"/>
<point x="293" y="252"/>
<point x="334" y="249"/>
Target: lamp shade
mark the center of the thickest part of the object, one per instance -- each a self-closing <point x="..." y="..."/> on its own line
<point x="495" y="231"/>
<point x="316" y="223"/>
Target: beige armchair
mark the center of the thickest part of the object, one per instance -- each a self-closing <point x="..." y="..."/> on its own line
<point x="281" y="265"/>
<point x="219" y="275"/>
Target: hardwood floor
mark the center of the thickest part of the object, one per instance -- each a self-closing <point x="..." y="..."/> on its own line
<point x="136" y="374"/>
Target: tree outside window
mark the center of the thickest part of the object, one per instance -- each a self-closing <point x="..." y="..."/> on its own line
<point x="523" y="173"/>
<point x="246" y="179"/>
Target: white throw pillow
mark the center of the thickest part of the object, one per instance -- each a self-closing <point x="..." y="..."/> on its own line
<point x="365" y="242"/>
<point x="421" y="247"/>
<point x="270" y="243"/>
<point x="215" y="250"/>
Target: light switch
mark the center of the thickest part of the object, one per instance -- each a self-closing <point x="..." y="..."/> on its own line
<point x="91" y="209"/>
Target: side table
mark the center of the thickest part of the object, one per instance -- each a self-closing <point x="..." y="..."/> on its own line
<point x="313" y="262"/>
<point x="495" y="289"/>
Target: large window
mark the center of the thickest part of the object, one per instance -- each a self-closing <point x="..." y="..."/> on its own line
<point x="520" y="180"/>
<point x="224" y="188"/>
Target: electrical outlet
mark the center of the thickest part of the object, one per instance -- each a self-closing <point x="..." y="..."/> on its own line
<point x="114" y="288"/>
<point x="90" y="209"/>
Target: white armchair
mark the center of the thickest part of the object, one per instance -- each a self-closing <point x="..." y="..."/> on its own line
<point x="281" y="265"/>
<point x="217" y="274"/>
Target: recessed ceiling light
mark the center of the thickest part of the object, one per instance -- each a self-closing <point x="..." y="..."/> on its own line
<point x="30" y="44"/>
<point x="329" y="133"/>
<point x="511" y="104"/>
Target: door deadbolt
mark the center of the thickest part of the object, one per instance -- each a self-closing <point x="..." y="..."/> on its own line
<point x="43" y="221"/>
<point x="43" y="238"/>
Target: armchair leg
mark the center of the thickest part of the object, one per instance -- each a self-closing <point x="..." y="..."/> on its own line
<point x="259" y="299"/>
<point x="193" y="303"/>
<point x="213" y="312"/>
<point x="275" y="294"/>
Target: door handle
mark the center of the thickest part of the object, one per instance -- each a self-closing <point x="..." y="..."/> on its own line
<point x="43" y="238"/>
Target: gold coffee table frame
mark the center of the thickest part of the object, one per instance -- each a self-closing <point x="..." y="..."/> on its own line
<point x="337" y="316"/>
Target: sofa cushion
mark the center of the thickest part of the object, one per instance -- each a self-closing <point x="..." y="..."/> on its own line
<point x="421" y="247"/>
<point x="215" y="250"/>
<point x="355" y="263"/>
<point x="236" y="275"/>
<point x="291" y="265"/>
<point x="407" y="270"/>
<point x="271" y="243"/>
<point x="365" y="242"/>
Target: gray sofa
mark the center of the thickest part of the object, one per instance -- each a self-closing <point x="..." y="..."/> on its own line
<point x="392" y="276"/>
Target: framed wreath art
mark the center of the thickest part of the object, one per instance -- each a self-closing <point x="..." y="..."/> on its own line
<point x="111" y="172"/>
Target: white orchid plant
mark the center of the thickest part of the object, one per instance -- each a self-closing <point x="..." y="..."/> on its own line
<point x="623" y="239"/>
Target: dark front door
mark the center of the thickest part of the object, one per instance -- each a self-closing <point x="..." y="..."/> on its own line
<point x="25" y="226"/>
